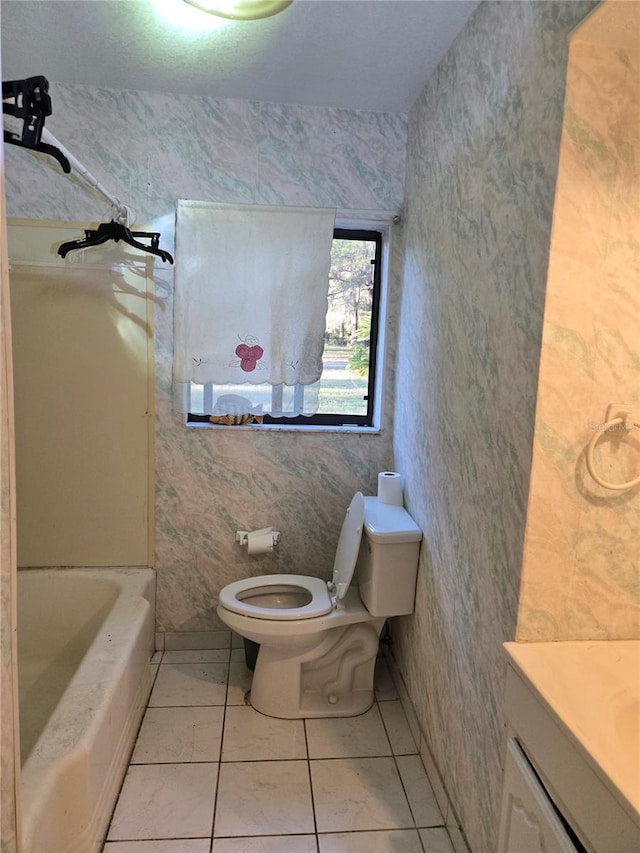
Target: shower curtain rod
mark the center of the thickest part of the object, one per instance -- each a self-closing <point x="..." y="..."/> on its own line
<point x="124" y="214"/>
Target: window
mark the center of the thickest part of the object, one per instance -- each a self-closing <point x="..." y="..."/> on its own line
<point x="345" y="393"/>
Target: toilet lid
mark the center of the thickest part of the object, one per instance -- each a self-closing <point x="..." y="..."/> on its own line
<point x="348" y="545"/>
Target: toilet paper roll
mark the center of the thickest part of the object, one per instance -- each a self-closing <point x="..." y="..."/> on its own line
<point x="390" y="488"/>
<point x="260" y="541"/>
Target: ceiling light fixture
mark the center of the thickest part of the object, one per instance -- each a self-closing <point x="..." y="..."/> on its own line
<point x="241" y="10"/>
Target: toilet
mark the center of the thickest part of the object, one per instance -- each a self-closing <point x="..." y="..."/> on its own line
<point x="318" y="639"/>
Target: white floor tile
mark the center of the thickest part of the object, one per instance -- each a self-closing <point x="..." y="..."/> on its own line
<point x="435" y="781"/>
<point x="197" y="639"/>
<point x="271" y="844"/>
<point x="358" y="794"/>
<point x="457" y="838"/>
<point x="238" y="655"/>
<point x="165" y="801"/>
<point x="263" y="798"/>
<point x="421" y="797"/>
<point x="174" y="845"/>
<point x="412" y="720"/>
<point x="250" y="736"/>
<point x="173" y="735"/>
<point x="265" y="801"/>
<point x="395" y="722"/>
<point x="239" y="683"/>
<point x="197" y="656"/>
<point x="436" y="841"/>
<point x="384" y="687"/>
<point x="348" y="737"/>
<point x="400" y="840"/>
<point x="190" y="684"/>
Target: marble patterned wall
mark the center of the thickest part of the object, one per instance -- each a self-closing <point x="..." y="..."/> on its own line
<point x="151" y="149"/>
<point x="581" y="575"/>
<point x="482" y="163"/>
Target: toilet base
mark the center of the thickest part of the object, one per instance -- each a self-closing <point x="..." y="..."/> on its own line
<point x="316" y="707"/>
<point x="334" y="678"/>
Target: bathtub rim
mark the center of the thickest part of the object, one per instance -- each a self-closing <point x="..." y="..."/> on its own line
<point x="52" y="755"/>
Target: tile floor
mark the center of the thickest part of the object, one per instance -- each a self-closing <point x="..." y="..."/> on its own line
<point x="209" y="774"/>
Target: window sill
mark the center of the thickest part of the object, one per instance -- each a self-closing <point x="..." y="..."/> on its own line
<point x="283" y="428"/>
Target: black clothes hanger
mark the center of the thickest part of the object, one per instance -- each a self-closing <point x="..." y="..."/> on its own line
<point x="116" y="231"/>
<point x="29" y="100"/>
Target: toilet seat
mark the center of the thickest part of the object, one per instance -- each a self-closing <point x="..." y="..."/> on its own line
<point x="348" y="546"/>
<point x="232" y="596"/>
<point x="323" y="596"/>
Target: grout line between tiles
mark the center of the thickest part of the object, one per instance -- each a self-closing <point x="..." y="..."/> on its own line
<point x="132" y="750"/>
<point x="313" y="799"/>
<point x="158" y="838"/>
<point x="393" y="756"/>
<point x="225" y="706"/>
<point x="222" y="732"/>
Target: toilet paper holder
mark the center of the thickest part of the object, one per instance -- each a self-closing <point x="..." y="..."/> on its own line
<point x="242" y="536"/>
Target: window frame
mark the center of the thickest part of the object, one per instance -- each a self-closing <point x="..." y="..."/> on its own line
<point x="377" y="234"/>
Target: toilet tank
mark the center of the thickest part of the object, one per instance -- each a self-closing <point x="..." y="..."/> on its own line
<point x="387" y="563"/>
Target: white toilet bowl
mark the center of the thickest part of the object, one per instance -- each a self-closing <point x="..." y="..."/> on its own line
<point x="318" y="641"/>
<point x="302" y="668"/>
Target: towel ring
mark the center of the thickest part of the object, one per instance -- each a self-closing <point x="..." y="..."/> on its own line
<point x="591" y="467"/>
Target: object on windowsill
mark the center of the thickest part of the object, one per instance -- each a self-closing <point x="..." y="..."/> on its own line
<point x="236" y="420"/>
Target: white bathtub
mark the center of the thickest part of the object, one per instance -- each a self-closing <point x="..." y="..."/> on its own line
<point x="85" y="640"/>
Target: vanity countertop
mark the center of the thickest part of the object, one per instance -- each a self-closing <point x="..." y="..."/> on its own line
<point x="592" y="689"/>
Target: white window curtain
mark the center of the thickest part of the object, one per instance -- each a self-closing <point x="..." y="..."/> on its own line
<point x="251" y="286"/>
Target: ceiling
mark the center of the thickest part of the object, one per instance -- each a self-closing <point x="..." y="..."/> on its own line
<point x="358" y="54"/>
